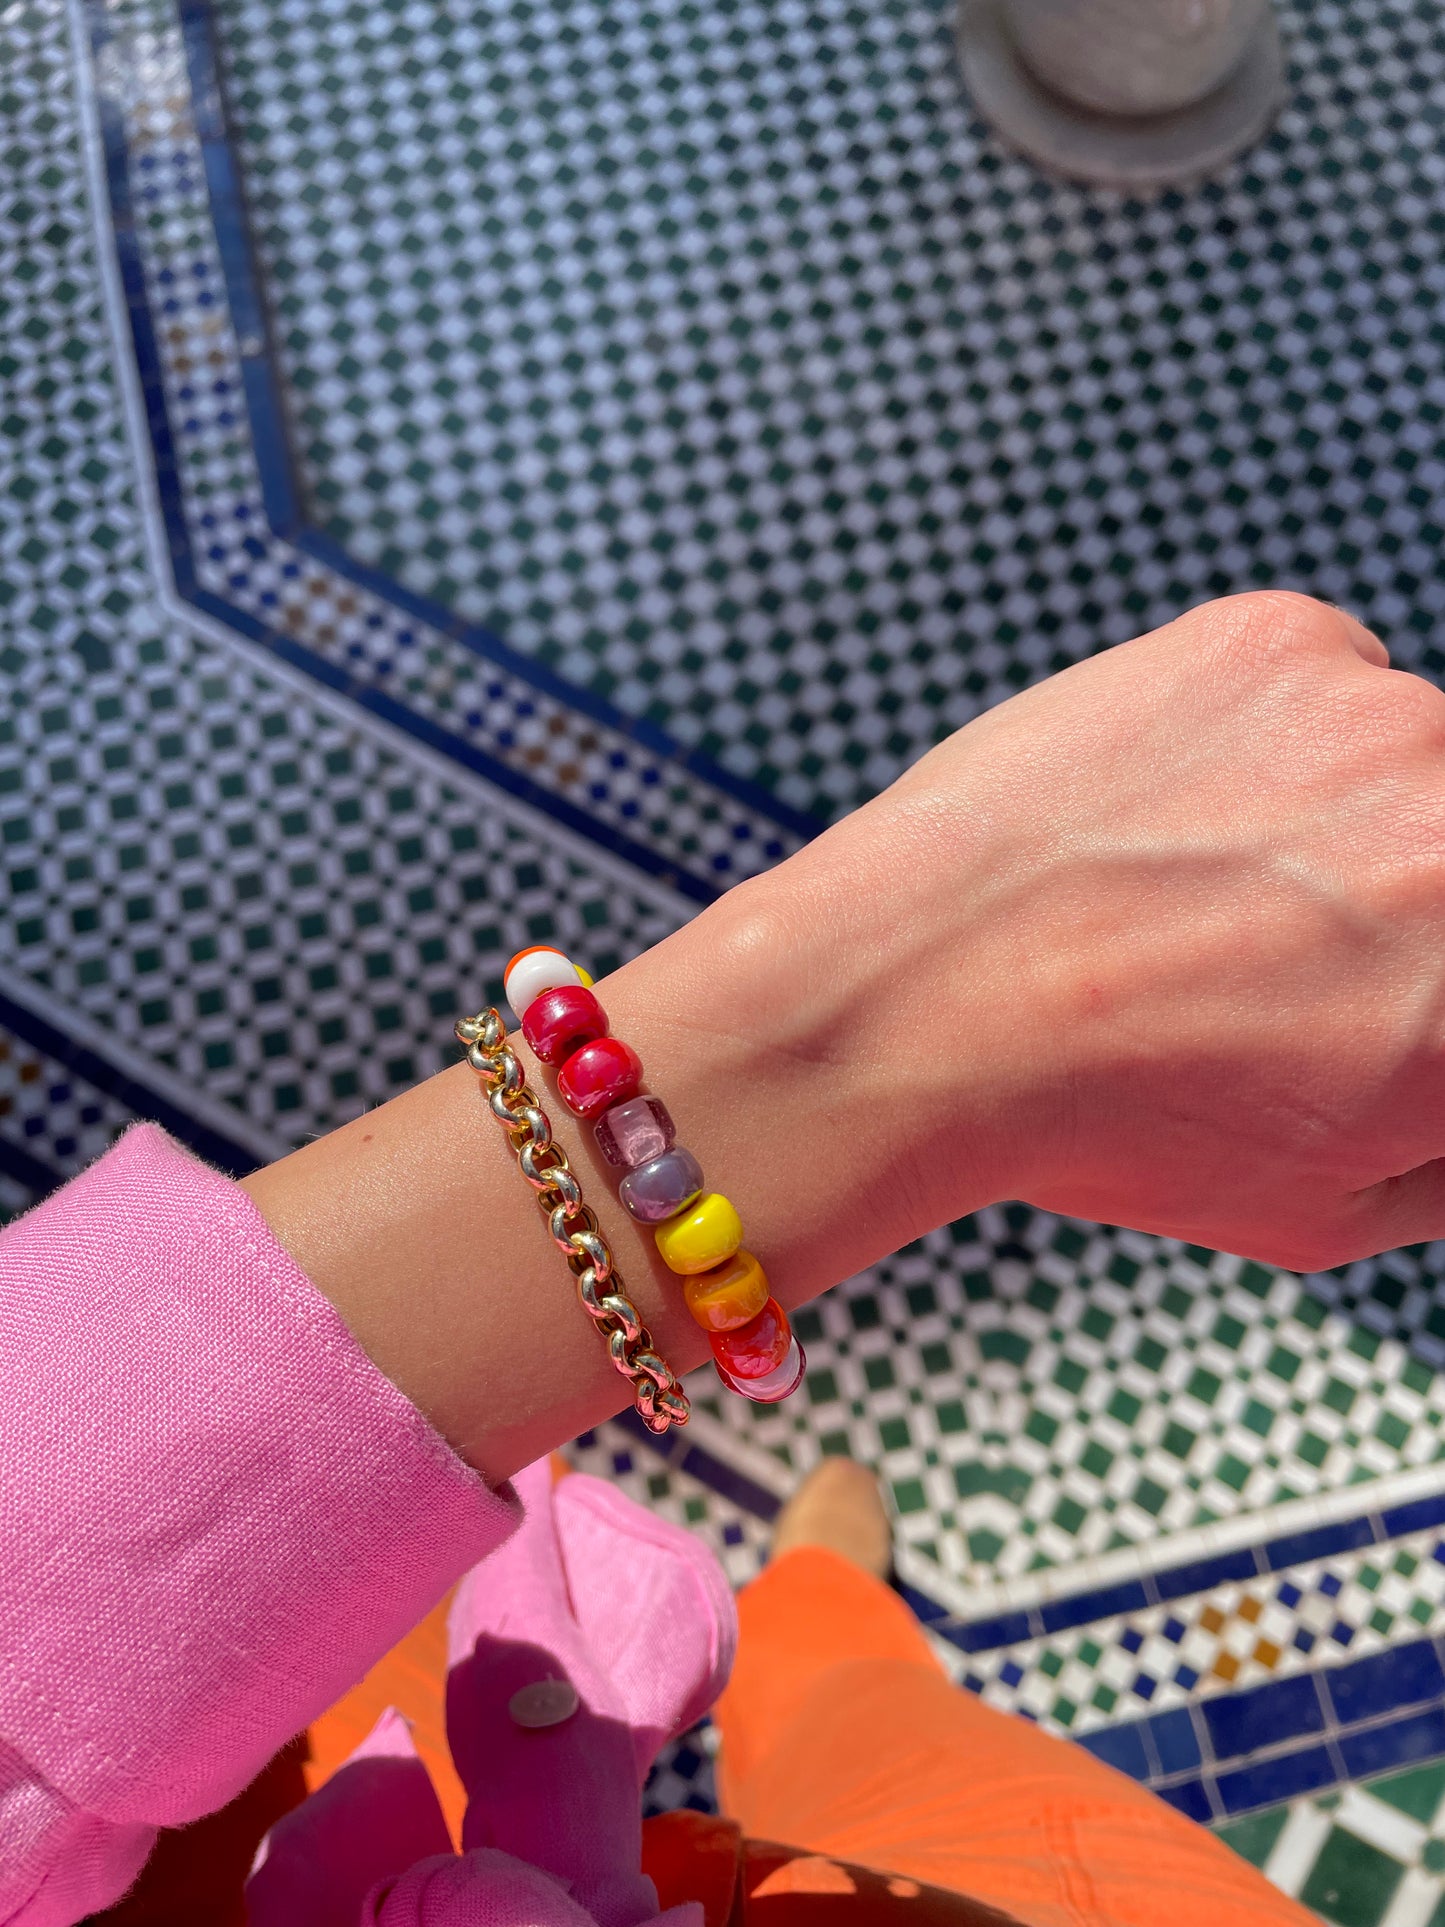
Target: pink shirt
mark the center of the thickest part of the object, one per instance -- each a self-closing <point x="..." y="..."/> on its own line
<point x="215" y="1515"/>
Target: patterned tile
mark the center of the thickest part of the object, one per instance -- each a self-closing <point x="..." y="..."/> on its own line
<point x="794" y="416"/>
<point x="1373" y="1856"/>
<point x="355" y="630"/>
<point x="261" y="956"/>
<point x="235" y="550"/>
<point x="1232" y="1637"/>
<point x="683" y="1775"/>
<point x="58" y="1119"/>
<point x="1043" y="1394"/>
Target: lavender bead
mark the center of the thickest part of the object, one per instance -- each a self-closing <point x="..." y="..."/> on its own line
<point x="635" y="1132"/>
<point x="661" y="1188"/>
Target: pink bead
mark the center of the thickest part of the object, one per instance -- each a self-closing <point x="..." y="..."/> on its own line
<point x="562" y="1021"/>
<point x="757" y="1348"/>
<point x="635" y="1132"/>
<point x="775" y="1385"/>
<point x="598" y="1076"/>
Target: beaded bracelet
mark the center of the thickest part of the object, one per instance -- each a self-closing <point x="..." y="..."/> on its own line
<point x="660" y="1400"/>
<point x="698" y="1233"/>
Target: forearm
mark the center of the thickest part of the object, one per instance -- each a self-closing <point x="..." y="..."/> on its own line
<point x="774" y="1061"/>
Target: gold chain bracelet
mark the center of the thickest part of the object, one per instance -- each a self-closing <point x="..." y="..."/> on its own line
<point x="660" y="1400"/>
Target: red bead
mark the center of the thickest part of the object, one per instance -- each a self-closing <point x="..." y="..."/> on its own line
<point x="562" y="1021"/>
<point x="599" y="1076"/>
<point x="772" y="1386"/>
<point x="757" y="1348"/>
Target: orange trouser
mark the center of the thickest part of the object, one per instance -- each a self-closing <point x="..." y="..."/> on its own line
<point x="842" y="1735"/>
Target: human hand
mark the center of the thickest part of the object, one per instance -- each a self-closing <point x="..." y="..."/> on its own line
<point x="1160" y="942"/>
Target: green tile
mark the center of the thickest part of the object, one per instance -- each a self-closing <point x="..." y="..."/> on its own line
<point x="1417" y="1792"/>
<point x="1254" y="1836"/>
<point x="1351" y="1883"/>
<point x="1101" y="1352"/>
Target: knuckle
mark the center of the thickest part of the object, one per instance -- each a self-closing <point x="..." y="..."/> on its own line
<point x="1273" y="628"/>
<point x="1284" y="622"/>
<point x="1417" y="704"/>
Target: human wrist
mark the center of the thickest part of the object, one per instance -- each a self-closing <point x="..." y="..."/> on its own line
<point x="779" y="1028"/>
<point x="415" y="1222"/>
<point x="850" y="1083"/>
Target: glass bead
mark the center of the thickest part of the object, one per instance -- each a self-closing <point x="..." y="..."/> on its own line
<point x="731" y="1294"/>
<point x="701" y="1236"/>
<point x="757" y="1348"/>
<point x="660" y="1188"/>
<point x="635" y="1132"/>
<point x="598" y="1076"/>
<point x="774" y="1385"/>
<point x="536" y="969"/>
<point x="561" y="1021"/>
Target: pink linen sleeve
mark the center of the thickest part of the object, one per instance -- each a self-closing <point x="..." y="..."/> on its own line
<point x="636" y="1615"/>
<point x="215" y="1515"/>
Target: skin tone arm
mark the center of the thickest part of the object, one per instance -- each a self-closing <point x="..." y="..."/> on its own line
<point x="1159" y="942"/>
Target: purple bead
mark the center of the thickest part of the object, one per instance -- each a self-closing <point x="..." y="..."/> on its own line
<point x="661" y="1188"/>
<point x="635" y="1132"/>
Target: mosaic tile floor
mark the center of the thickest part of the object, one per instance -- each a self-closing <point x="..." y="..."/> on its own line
<point x="604" y="445"/>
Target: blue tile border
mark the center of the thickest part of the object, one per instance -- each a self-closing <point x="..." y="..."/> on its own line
<point x="1237" y="1751"/>
<point x="1061" y="1615"/>
<point x="264" y="412"/>
<point x="228" y="1155"/>
<point x="1000" y="1630"/>
<point x="1238" y="1725"/>
<point x="1199" y="1575"/>
<point x="513" y="782"/>
<point x="282" y="497"/>
<point x="1401" y="1742"/>
<point x="18" y="1163"/>
<point x="1417" y="1516"/>
<point x="1180" y="1581"/>
<point x="1232" y="1752"/>
<point x="1408" y="1675"/>
<point x="1298" y="1548"/>
<point x="1265" y="1783"/>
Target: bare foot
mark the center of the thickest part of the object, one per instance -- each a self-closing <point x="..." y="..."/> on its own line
<point x="839" y="1506"/>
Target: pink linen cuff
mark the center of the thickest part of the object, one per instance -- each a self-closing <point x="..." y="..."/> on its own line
<point x="215" y="1512"/>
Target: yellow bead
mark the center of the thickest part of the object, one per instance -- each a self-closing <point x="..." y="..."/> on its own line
<point x="731" y="1294"/>
<point x="700" y="1237"/>
<point x="585" y="977"/>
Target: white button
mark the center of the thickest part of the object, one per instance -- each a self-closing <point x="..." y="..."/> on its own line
<point x="546" y="1702"/>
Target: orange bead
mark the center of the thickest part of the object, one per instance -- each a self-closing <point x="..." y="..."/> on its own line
<point x="731" y="1294"/>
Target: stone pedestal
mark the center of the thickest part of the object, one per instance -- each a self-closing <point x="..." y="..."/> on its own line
<point x="1135" y="94"/>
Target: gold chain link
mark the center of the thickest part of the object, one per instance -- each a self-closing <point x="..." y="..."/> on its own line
<point x="660" y="1400"/>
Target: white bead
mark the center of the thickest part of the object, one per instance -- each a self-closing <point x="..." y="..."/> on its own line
<point x="546" y="1702"/>
<point x="534" y="972"/>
